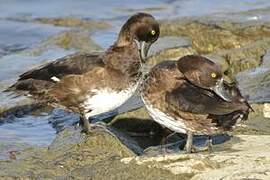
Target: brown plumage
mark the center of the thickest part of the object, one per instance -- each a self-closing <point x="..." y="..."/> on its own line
<point x="182" y="96"/>
<point x="70" y="81"/>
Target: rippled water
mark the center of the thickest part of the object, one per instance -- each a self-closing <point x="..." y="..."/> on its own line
<point x="18" y="33"/>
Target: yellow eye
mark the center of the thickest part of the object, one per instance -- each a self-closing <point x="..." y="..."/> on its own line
<point x="213" y="75"/>
<point x="153" y="32"/>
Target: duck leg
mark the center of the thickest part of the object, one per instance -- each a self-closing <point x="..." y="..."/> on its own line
<point x="86" y="124"/>
<point x="89" y="128"/>
<point x="164" y="142"/>
<point x="189" y="144"/>
<point x="190" y="148"/>
<point x="165" y="139"/>
<point x="209" y="144"/>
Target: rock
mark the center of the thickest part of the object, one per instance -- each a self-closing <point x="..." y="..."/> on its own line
<point x="266" y="110"/>
<point x="168" y="42"/>
<point x="76" y="39"/>
<point x="73" y="22"/>
<point x="256" y="124"/>
<point x="255" y="82"/>
<point x="246" y="57"/>
<point x="70" y="150"/>
<point x="171" y="54"/>
<point x="240" y="46"/>
<point x="245" y="156"/>
<point x="207" y="36"/>
<point x="75" y="155"/>
<point x="114" y="169"/>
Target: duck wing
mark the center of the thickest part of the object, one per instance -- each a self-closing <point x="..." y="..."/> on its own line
<point x="190" y="98"/>
<point x="205" y="109"/>
<point x="45" y="76"/>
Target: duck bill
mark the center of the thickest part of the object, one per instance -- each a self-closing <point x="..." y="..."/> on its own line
<point x="144" y="48"/>
<point x="220" y="90"/>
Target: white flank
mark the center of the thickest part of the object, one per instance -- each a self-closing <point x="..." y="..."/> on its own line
<point x="55" y="79"/>
<point x="165" y="120"/>
<point x="105" y="100"/>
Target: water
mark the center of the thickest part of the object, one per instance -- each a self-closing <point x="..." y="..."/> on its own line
<point x="28" y="129"/>
<point x="18" y="33"/>
<point x="115" y="12"/>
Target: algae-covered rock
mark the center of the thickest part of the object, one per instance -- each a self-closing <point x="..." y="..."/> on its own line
<point x="79" y="156"/>
<point x="207" y="37"/>
<point x="70" y="150"/>
<point x="171" y="54"/>
<point x="114" y="169"/>
<point x="75" y="39"/>
<point x="236" y="47"/>
<point x="240" y="46"/>
<point x="247" y="57"/>
<point x="73" y="22"/>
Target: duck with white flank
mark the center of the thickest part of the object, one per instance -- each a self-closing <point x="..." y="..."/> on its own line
<point x="91" y="84"/>
<point x="190" y="96"/>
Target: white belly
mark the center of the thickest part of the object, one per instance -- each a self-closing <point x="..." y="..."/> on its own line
<point x="165" y="120"/>
<point x="105" y="100"/>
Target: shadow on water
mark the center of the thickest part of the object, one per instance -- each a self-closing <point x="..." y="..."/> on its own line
<point x="151" y="138"/>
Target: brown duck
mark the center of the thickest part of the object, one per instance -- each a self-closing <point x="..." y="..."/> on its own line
<point x="190" y="96"/>
<point x="92" y="84"/>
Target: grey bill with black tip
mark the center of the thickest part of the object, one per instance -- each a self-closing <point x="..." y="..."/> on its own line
<point x="144" y="48"/>
<point x="220" y="90"/>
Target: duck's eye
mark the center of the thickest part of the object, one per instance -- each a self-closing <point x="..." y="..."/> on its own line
<point x="213" y="75"/>
<point x="153" y="32"/>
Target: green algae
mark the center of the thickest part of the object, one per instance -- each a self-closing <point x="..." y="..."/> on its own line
<point x="73" y="22"/>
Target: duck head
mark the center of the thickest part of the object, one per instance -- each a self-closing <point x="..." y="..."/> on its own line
<point x="141" y="28"/>
<point x="204" y="73"/>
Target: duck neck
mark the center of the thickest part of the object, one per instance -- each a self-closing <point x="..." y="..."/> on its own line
<point x="124" y="59"/>
<point x="125" y="36"/>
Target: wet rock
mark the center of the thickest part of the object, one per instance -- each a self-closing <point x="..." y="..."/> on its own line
<point x="244" y="58"/>
<point x="76" y="39"/>
<point x="169" y="48"/>
<point x="168" y="42"/>
<point x="70" y="150"/>
<point x="171" y="54"/>
<point x="76" y="155"/>
<point x="255" y="82"/>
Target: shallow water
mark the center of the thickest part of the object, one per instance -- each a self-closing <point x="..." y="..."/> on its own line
<point x="28" y="129"/>
<point x="18" y="32"/>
